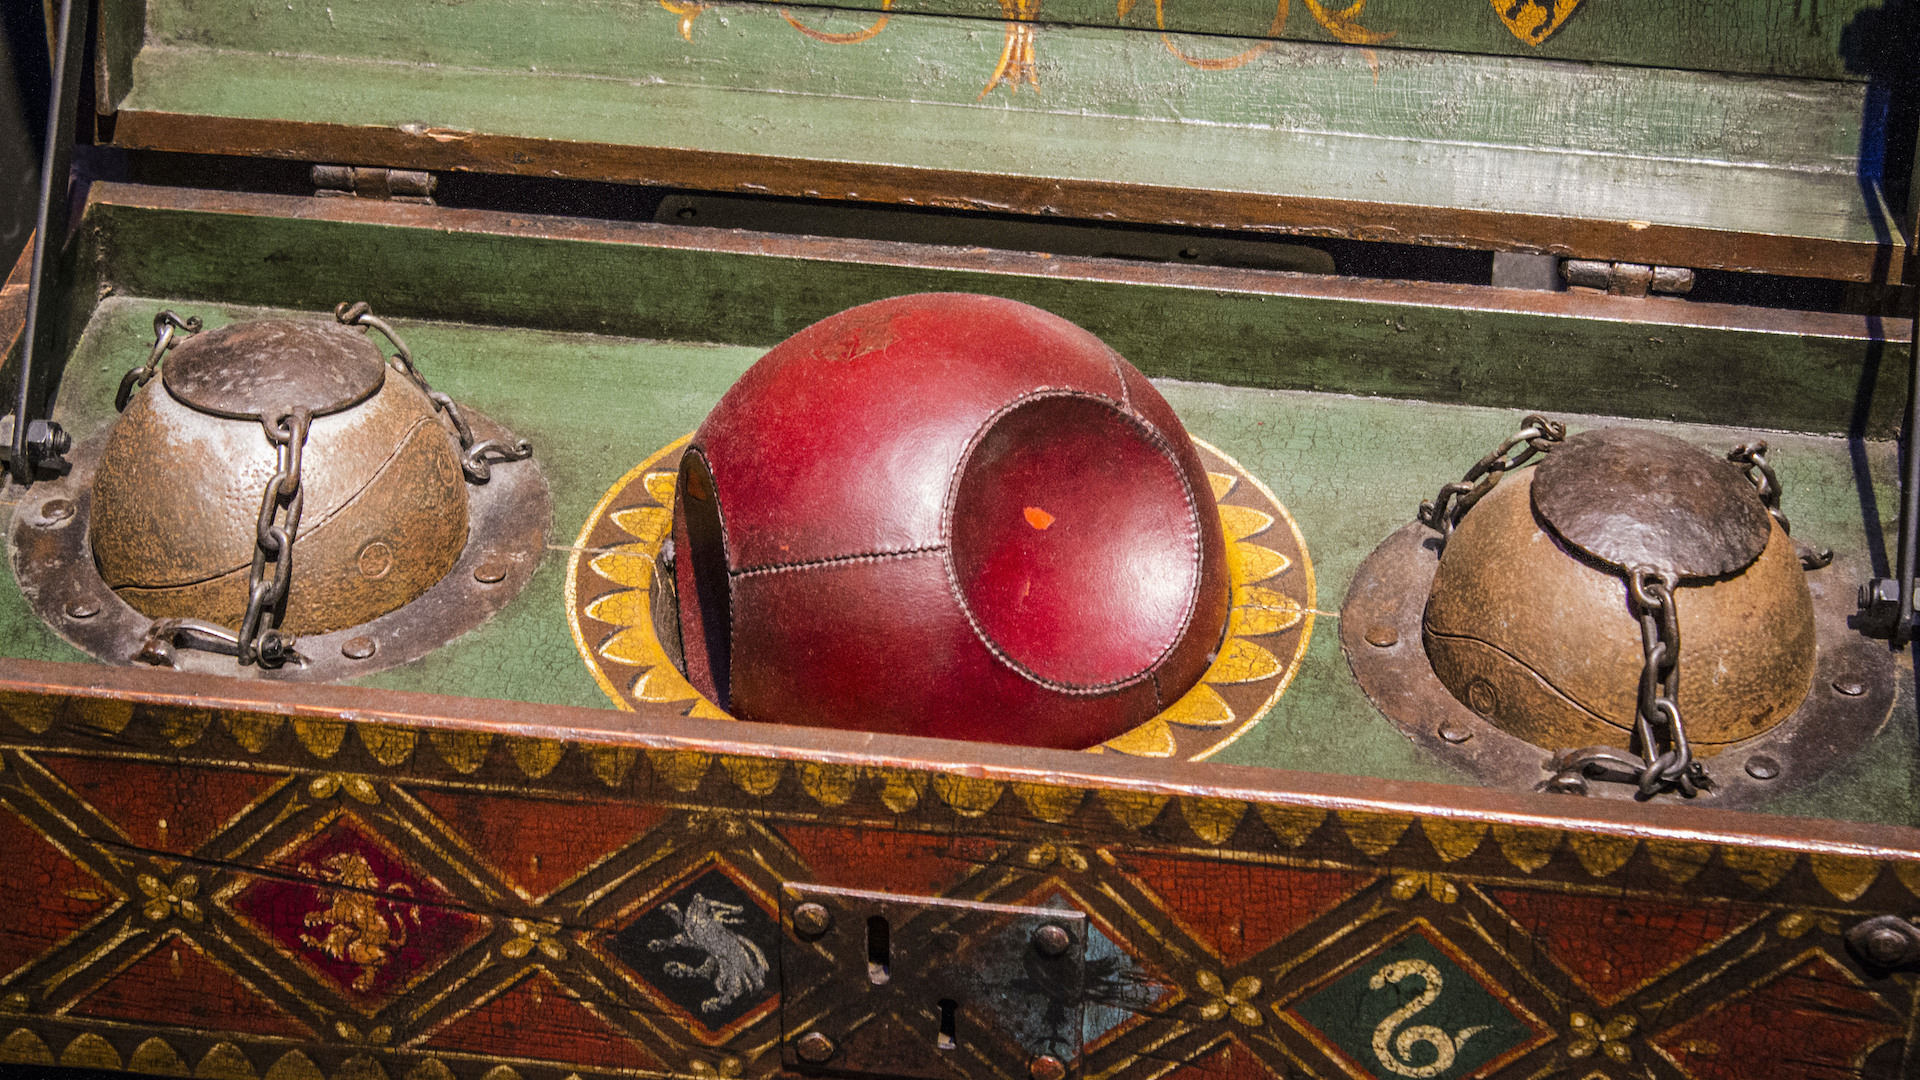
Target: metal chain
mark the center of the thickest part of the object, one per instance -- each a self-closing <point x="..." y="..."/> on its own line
<point x="260" y="638"/>
<point x="1668" y="764"/>
<point x="1753" y="459"/>
<point x="1537" y="435"/>
<point x="477" y="458"/>
<point x="164" y="324"/>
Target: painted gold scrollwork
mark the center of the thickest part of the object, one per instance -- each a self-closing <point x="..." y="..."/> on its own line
<point x="687" y="12"/>
<point x="854" y="37"/>
<point x="1224" y="63"/>
<point x="1016" y="56"/>
<point x="1344" y="24"/>
<point x="1393" y="1044"/>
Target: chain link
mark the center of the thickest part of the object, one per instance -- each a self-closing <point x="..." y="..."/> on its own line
<point x="260" y="638"/>
<point x="1537" y="435"/>
<point x="164" y="324"/>
<point x="1752" y="457"/>
<point x="477" y="458"/>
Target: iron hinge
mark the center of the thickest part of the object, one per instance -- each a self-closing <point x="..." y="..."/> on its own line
<point x="1627" y="279"/>
<point x="390" y="185"/>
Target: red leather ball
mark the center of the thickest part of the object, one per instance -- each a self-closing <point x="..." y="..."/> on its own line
<point x="947" y="515"/>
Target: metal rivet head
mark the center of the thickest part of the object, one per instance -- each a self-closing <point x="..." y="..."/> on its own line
<point x="1052" y="940"/>
<point x="811" y="920"/>
<point x="1047" y="1067"/>
<point x="358" y="648"/>
<point x="1850" y="687"/>
<point x="1454" y="732"/>
<point x="1762" y="767"/>
<point x="1886" y="946"/>
<point x="82" y="609"/>
<point x="491" y="569"/>
<point x="1382" y="637"/>
<point x="55" y="511"/>
<point x="814" y="1047"/>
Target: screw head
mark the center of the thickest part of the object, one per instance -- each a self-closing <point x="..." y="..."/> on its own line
<point x="1382" y="637"/>
<point x="1762" y="767"/>
<point x="1886" y="946"/>
<point x="1455" y="733"/>
<point x="1047" y="1067"/>
<point x="1850" y="687"/>
<point x="358" y="648"/>
<point x="82" y="609"/>
<point x="811" y="920"/>
<point x="813" y="1046"/>
<point x="1052" y="940"/>
<point x="55" y="511"/>
<point x="492" y="569"/>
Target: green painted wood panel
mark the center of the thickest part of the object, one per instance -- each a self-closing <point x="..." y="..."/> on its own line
<point x="1247" y="328"/>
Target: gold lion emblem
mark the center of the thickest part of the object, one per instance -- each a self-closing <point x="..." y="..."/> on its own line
<point x="357" y="930"/>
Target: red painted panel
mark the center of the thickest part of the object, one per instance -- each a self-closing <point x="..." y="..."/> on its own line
<point x="537" y="1017"/>
<point x="40" y="879"/>
<point x="1814" y="1022"/>
<point x="161" y="807"/>
<point x="540" y="844"/>
<point x="913" y="864"/>
<point x="1615" y="945"/>
<point x="1238" y="909"/>
<point x="176" y="983"/>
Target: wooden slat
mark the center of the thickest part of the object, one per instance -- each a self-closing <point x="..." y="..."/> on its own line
<point x="1489" y="152"/>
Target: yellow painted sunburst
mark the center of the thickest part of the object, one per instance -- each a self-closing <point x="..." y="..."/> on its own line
<point x="1270" y="623"/>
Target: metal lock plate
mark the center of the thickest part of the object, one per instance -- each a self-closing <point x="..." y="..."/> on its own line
<point x="929" y="989"/>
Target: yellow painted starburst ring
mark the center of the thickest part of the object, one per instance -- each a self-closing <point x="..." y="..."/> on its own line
<point x="610" y="594"/>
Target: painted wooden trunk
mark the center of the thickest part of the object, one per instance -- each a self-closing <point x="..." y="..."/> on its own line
<point x="537" y="853"/>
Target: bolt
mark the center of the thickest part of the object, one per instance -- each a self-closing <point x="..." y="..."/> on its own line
<point x="1850" y="687"/>
<point x="493" y="568"/>
<point x="1047" y="1067"/>
<point x="811" y="920"/>
<point x="814" y="1047"/>
<point x="1052" y="940"/>
<point x="357" y="648"/>
<point x="1454" y="733"/>
<point x="82" y="609"/>
<point x="1762" y="767"/>
<point x="1886" y="946"/>
<point x="1382" y="637"/>
<point x="55" y="511"/>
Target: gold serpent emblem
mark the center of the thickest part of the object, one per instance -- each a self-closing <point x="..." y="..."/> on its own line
<point x="1396" y="1051"/>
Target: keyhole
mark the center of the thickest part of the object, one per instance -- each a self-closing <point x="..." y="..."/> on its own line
<point x="879" y="950"/>
<point x="945" y="1039"/>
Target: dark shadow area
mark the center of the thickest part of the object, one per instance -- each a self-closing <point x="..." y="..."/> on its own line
<point x="25" y="78"/>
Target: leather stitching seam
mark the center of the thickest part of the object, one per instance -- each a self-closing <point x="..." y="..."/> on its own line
<point x="836" y="560"/>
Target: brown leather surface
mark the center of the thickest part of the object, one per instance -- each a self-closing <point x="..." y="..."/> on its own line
<point x="1556" y="653"/>
<point x="948" y="515"/>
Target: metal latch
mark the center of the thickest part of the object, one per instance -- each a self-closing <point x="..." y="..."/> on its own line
<point x="1627" y="279"/>
<point x="929" y="989"/>
<point x="394" y="185"/>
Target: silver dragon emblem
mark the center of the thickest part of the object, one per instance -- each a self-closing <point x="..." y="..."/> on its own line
<point x="734" y="964"/>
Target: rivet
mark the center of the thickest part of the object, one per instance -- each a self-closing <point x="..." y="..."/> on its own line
<point x="1382" y="637"/>
<point x="1047" y="1067"/>
<point x="1850" y="687"/>
<point x="1886" y="946"/>
<point x="1454" y="733"/>
<point x="358" y="648"/>
<point x="491" y="569"/>
<point x="1052" y="940"/>
<point x="814" y="1047"/>
<point x="82" y="609"/>
<point x="55" y="511"/>
<point x="1762" y="767"/>
<point x="811" y="920"/>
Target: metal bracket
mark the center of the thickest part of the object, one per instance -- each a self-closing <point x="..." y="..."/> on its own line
<point x="929" y="989"/>
<point x="1887" y="605"/>
<point x="387" y="185"/>
<point x="1627" y="279"/>
<point x="1885" y="944"/>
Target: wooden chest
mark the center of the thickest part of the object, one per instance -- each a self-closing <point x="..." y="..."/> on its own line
<point x="535" y="852"/>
